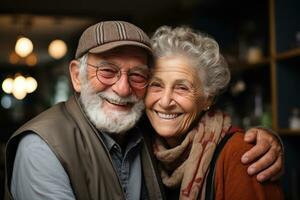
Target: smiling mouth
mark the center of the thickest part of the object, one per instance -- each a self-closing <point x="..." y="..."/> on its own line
<point x="119" y="103"/>
<point x="167" y="116"/>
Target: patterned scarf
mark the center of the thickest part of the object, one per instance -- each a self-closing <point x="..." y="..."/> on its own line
<point x="187" y="165"/>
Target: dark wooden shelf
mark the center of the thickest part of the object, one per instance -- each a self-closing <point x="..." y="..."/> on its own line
<point x="244" y="65"/>
<point x="286" y="131"/>
<point x="288" y="54"/>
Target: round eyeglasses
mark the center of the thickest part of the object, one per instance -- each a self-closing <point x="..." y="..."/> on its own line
<point x="109" y="73"/>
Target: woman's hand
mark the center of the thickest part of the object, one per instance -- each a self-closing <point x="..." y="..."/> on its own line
<point x="267" y="154"/>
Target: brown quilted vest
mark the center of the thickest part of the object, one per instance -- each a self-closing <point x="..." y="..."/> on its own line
<point x="82" y="153"/>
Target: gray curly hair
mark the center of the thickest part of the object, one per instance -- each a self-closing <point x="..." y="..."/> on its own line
<point x="201" y="49"/>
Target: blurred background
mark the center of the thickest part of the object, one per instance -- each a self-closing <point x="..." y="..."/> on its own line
<point x="259" y="38"/>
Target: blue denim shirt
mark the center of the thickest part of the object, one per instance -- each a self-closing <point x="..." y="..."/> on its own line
<point x="127" y="163"/>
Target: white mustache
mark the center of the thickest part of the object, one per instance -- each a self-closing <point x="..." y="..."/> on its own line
<point x="117" y="99"/>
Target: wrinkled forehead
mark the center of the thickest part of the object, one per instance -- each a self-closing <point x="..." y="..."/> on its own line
<point x="176" y="66"/>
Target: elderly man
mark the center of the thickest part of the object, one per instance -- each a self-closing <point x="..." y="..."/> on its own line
<point x="92" y="146"/>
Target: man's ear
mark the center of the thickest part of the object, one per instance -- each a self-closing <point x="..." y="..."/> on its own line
<point x="74" y="73"/>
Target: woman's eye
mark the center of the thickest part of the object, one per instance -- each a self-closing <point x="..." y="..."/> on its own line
<point x="181" y="87"/>
<point x="154" y="84"/>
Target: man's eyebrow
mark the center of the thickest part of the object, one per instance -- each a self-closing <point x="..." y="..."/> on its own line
<point x="100" y="62"/>
<point x="142" y="66"/>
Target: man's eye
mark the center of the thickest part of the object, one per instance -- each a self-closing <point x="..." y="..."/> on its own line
<point x="107" y="72"/>
<point x="138" y="78"/>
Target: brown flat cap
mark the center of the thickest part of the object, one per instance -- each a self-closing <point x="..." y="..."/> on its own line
<point x="107" y="35"/>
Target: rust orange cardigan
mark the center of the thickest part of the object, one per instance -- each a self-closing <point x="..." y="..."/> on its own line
<point x="231" y="179"/>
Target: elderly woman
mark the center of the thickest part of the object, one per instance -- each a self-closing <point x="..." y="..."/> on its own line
<point x="188" y="75"/>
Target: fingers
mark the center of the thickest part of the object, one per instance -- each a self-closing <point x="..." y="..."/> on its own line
<point x="268" y="155"/>
<point x="273" y="172"/>
<point x="264" y="162"/>
<point x="250" y="135"/>
<point x="269" y="165"/>
<point x="262" y="146"/>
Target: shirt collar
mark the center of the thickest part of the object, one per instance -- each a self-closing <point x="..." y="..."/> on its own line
<point x="134" y="137"/>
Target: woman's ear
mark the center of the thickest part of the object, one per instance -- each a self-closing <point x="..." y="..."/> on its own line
<point x="209" y="102"/>
<point x="74" y="73"/>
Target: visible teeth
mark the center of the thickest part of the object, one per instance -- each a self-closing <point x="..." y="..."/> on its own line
<point x="116" y="102"/>
<point x="167" y="116"/>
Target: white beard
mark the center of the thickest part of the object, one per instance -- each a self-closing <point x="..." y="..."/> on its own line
<point x="114" y="122"/>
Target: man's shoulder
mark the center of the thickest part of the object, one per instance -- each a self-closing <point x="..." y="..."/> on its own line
<point x="32" y="149"/>
<point x="33" y="153"/>
<point x="36" y="166"/>
<point x="34" y="133"/>
<point x="48" y="119"/>
<point x="31" y="141"/>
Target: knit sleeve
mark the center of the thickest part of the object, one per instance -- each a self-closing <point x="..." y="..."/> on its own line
<point x="232" y="181"/>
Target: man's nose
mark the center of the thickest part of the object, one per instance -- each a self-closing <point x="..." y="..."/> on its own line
<point x="122" y="86"/>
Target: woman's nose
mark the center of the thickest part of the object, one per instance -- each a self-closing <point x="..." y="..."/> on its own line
<point x="167" y="99"/>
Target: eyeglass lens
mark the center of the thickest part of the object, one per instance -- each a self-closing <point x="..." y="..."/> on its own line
<point x="108" y="73"/>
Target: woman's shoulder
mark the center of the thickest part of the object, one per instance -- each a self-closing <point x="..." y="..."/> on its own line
<point x="232" y="174"/>
<point x="237" y="144"/>
<point x="232" y="151"/>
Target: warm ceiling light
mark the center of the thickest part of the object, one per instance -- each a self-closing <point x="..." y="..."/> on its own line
<point x="13" y="58"/>
<point x="57" y="49"/>
<point x="31" y="84"/>
<point x="19" y="94"/>
<point x="23" y="47"/>
<point x="31" y="60"/>
<point x="7" y="85"/>
<point x="19" y="87"/>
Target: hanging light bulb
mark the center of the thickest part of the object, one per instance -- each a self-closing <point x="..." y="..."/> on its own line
<point x="7" y="85"/>
<point x="31" y="60"/>
<point x="57" y="49"/>
<point x="23" y="47"/>
<point x="31" y="84"/>
<point x="19" y="90"/>
<point x="14" y="58"/>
